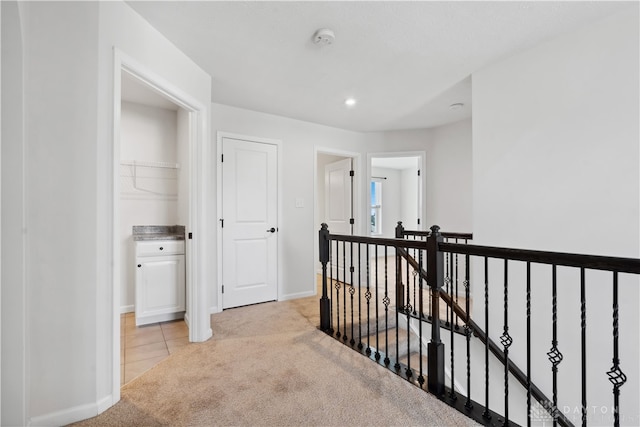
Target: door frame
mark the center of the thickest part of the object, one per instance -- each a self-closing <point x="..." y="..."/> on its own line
<point x="196" y="283"/>
<point x="422" y="165"/>
<point x="220" y="188"/>
<point x="356" y="195"/>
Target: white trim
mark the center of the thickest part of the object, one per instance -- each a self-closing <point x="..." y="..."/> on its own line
<point x="422" y="163"/>
<point x="127" y="309"/>
<point x="76" y="413"/>
<point x="200" y="329"/>
<point x="297" y="295"/>
<point x="278" y="143"/>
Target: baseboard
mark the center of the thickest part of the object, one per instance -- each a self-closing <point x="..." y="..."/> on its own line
<point x="214" y="309"/>
<point x="297" y="295"/>
<point x="72" y="415"/>
<point x="127" y="309"/>
<point x="105" y="404"/>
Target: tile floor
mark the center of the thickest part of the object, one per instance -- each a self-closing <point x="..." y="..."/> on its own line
<point x="142" y="347"/>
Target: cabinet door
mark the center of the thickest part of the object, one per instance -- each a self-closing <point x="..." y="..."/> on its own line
<point x="160" y="286"/>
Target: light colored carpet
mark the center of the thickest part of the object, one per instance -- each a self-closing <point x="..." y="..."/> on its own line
<point x="267" y="364"/>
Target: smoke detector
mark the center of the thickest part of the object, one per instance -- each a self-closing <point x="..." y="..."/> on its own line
<point x="324" y="37"/>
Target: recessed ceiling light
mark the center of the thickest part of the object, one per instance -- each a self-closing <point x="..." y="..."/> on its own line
<point x="350" y="102"/>
<point x="457" y="106"/>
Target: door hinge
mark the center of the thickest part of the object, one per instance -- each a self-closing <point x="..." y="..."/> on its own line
<point x="223" y="289"/>
<point x="221" y="223"/>
<point x="352" y="173"/>
<point x="221" y="158"/>
<point x="352" y="221"/>
<point x="190" y="236"/>
<point x="418" y="221"/>
<point x="418" y="172"/>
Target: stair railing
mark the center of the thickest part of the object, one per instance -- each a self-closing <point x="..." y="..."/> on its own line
<point x="439" y="268"/>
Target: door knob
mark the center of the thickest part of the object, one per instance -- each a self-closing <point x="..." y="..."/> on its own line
<point x="271" y="230"/>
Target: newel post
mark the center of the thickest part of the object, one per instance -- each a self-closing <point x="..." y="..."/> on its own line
<point x="435" y="280"/>
<point x="325" y="313"/>
<point x="399" y="230"/>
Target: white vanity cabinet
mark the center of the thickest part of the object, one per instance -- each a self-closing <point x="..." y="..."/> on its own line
<point x="160" y="281"/>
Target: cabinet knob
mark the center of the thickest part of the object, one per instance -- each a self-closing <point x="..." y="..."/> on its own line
<point x="139" y="265"/>
<point x="161" y="248"/>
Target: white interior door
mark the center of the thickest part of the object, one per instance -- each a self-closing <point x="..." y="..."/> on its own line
<point x="338" y="197"/>
<point x="250" y="222"/>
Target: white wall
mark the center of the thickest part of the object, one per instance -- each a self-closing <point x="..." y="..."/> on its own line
<point x="13" y="312"/>
<point x="556" y="167"/>
<point x="59" y="209"/>
<point x="147" y="134"/>
<point x="448" y="170"/>
<point x="449" y="178"/>
<point x="298" y="228"/>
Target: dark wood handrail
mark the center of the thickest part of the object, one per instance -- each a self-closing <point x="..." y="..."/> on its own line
<point x="594" y="262"/>
<point x="445" y="234"/>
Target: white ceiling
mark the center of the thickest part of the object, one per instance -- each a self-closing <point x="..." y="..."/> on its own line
<point x="405" y="62"/>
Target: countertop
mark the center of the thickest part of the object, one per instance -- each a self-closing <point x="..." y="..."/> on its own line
<point x="158" y="232"/>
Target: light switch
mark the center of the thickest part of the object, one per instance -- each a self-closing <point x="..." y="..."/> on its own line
<point x="299" y="203"/>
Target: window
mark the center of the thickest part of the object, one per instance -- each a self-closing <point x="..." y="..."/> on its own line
<point x="376" y="207"/>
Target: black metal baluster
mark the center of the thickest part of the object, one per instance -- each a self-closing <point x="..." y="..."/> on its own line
<point x="360" y="296"/>
<point x="408" y="309"/>
<point x="398" y="274"/>
<point x="452" y="393"/>
<point x="414" y="278"/>
<point x="456" y="281"/>
<point x="337" y="287"/>
<point x="486" y="414"/>
<point x="352" y="291"/>
<point x="367" y="296"/>
<point x="506" y="341"/>
<point x="386" y="301"/>
<point x="377" y="354"/>
<point x="583" y="341"/>
<point x="447" y="282"/>
<point x="555" y="357"/>
<point x="344" y="281"/>
<point x="528" y="344"/>
<point x="467" y="333"/>
<point x="616" y="376"/>
<point x="421" y="376"/>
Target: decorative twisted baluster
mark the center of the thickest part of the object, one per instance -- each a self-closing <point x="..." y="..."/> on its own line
<point x="421" y="308"/>
<point x="467" y="332"/>
<point x="344" y="280"/>
<point x="616" y="376"/>
<point x="583" y="341"/>
<point x="555" y="357"/>
<point x="486" y="414"/>
<point x="367" y="296"/>
<point x="377" y="354"/>
<point x="386" y="301"/>
<point x="528" y="344"/>
<point x="452" y="393"/>
<point x="506" y="341"/>
<point x="360" y="297"/>
<point x="337" y="287"/>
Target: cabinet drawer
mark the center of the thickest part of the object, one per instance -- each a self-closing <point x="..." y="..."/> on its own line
<point x="159" y="247"/>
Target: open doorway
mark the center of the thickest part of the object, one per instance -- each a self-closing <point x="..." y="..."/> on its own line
<point x="153" y="192"/>
<point x="190" y="154"/>
<point x="395" y="192"/>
